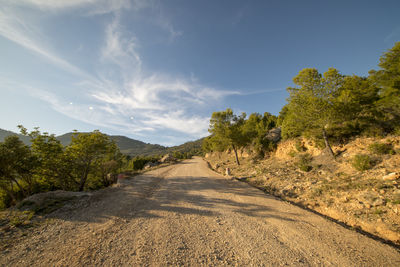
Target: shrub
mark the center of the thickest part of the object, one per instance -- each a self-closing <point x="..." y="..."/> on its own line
<point x="299" y="146"/>
<point x="292" y="153"/>
<point x="139" y="162"/>
<point x="5" y="200"/>
<point x="381" y="149"/>
<point x="303" y="162"/>
<point x="20" y="218"/>
<point x="361" y="162"/>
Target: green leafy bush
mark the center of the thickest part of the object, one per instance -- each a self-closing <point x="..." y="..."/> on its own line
<point x="299" y="146"/>
<point x="361" y="162"/>
<point x="304" y="162"/>
<point x="381" y="149"/>
<point x="292" y="153"/>
<point x="139" y="162"/>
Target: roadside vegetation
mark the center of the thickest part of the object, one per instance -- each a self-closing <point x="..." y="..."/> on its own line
<point x="89" y="162"/>
<point x="337" y="150"/>
<point x="325" y="108"/>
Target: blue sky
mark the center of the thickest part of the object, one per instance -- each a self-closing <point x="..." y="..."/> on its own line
<point x="156" y="70"/>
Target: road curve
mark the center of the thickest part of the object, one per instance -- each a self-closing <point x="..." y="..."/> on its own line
<point x="187" y="215"/>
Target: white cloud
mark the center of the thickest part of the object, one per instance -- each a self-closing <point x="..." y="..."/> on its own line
<point x="178" y="121"/>
<point x="119" y="50"/>
<point x="16" y="29"/>
<point x="137" y="101"/>
<point x="169" y="28"/>
<point x="91" y="7"/>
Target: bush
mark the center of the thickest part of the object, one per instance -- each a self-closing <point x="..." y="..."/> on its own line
<point x="361" y="162"/>
<point x="5" y="200"/>
<point x="381" y="149"/>
<point x="292" y="153"/>
<point x="304" y="162"/>
<point x="139" y="162"/>
<point x="299" y="146"/>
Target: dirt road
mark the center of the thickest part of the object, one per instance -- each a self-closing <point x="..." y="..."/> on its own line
<point x="186" y="214"/>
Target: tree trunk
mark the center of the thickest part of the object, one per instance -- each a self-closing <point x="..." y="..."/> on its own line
<point x="236" y="155"/>
<point x="20" y="187"/>
<point x="328" y="146"/>
<point x="11" y="195"/>
<point x="84" y="178"/>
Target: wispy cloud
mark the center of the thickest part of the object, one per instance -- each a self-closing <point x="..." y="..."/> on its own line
<point x="14" y="28"/>
<point x="119" y="50"/>
<point x="90" y="7"/>
<point x="169" y="28"/>
<point x="393" y="35"/>
<point x="131" y="100"/>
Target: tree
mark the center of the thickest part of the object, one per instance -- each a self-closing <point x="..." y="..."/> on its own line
<point x="355" y="105"/>
<point x="53" y="165"/>
<point x="282" y="115"/>
<point x="256" y="128"/>
<point x="16" y="166"/>
<point x="88" y="151"/>
<point x="311" y="108"/>
<point x="388" y="80"/>
<point x="226" y="130"/>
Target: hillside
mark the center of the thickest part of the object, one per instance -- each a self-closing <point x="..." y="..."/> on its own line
<point x="127" y="145"/>
<point x="5" y="133"/>
<point x="300" y="172"/>
<point x="192" y="146"/>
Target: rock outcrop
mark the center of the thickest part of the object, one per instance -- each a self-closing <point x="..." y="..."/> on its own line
<point x="274" y="135"/>
<point x="167" y="158"/>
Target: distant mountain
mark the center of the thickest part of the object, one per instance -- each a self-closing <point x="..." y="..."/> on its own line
<point x="5" y="133"/>
<point x="135" y="148"/>
<point x="191" y="146"/>
<point x="126" y="145"/>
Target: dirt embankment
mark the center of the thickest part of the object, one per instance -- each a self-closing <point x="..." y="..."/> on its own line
<point x="188" y="215"/>
<point x="368" y="200"/>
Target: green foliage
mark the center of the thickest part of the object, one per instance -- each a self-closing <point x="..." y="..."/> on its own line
<point x="231" y="131"/>
<point x="48" y="165"/>
<point x="292" y="153"/>
<point x="312" y="107"/>
<point x="188" y="149"/>
<point x="87" y="152"/>
<point x="299" y="146"/>
<point x="255" y="129"/>
<point x="16" y="167"/>
<point x="183" y="155"/>
<point x="356" y="106"/>
<point x="381" y="149"/>
<point x="344" y="106"/>
<point x="304" y="162"/>
<point x="361" y="162"/>
<point x="388" y="81"/>
<point x="17" y="219"/>
<point x="227" y="131"/>
<point x="331" y="104"/>
<point x="139" y="162"/>
<point x="5" y="200"/>
<point x="282" y="115"/>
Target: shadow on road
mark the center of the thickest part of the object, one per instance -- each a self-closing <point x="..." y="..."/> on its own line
<point x="152" y="197"/>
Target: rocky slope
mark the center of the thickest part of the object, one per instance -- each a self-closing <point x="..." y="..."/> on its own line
<point x="301" y="173"/>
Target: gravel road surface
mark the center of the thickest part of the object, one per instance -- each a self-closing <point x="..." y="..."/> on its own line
<point x="187" y="215"/>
